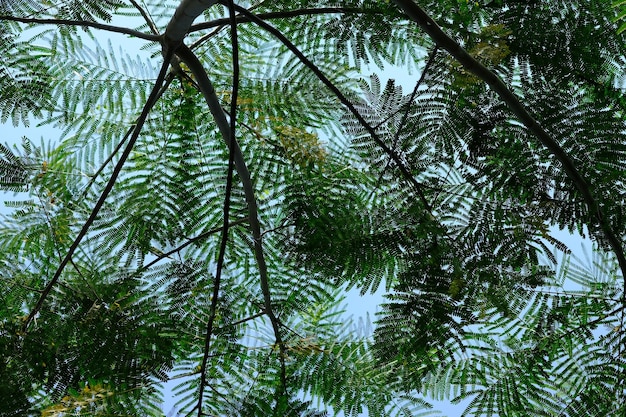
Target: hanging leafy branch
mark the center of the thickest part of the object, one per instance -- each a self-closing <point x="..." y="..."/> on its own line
<point x="475" y="67"/>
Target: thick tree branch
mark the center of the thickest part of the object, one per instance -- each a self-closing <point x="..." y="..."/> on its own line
<point x="107" y="189"/>
<point x="207" y="90"/>
<point x="429" y="26"/>
<point x="186" y="12"/>
<point x="229" y="186"/>
<point x="177" y="29"/>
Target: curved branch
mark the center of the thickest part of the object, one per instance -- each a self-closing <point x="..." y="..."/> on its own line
<point x="219" y="24"/>
<point x="429" y="26"/>
<point x="175" y="32"/>
<point x="83" y="23"/>
<point x="344" y="100"/>
<point x="207" y="90"/>
<point x="152" y="99"/>
<point x="229" y="186"/>
<point x="186" y="12"/>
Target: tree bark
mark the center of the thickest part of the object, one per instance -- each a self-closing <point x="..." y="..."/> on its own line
<point x="186" y="12"/>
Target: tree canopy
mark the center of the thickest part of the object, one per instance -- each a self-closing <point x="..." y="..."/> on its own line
<point x="215" y="193"/>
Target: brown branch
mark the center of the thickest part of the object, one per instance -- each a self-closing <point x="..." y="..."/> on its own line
<point x="223" y="22"/>
<point x="219" y="24"/>
<point x="176" y="30"/>
<point x="444" y="41"/>
<point x="184" y="15"/>
<point x="238" y="322"/>
<point x="229" y="187"/>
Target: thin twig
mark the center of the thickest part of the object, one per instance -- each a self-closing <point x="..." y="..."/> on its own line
<point x="118" y="147"/>
<point x="344" y="100"/>
<point x="146" y="17"/>
<point x="192" y="240"/>
<point x="284" y="15"/>
<point x="83" y="23"/>
<point x="227" y="195"/>
<point x="116" y="171"/>
<point x="396" y="137"/>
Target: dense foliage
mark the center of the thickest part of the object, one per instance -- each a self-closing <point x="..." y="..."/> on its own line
<point x="211" y="200"/>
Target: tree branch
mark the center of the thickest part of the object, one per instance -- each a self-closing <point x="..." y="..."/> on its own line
<point x="190" y="241"/>
<point x="83" y="23"/>
<point x="207" y="90"/>
<point x="176" y="30"/>
<point x="229" y="186"/>
<point x="405" y="115"/>
<point x="343" y="99"/>
<point x="186" y="12"/>
<point x="107" y="189"/>
<point x="284" y="15"/>
<point x="429" y="26"/>
<point x="146" y="17"/>
<point x="219" y="24"/>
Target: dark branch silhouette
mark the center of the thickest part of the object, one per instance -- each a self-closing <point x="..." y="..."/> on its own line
<point x="470" y="63"/>
<point x="151" y="101"/>
<point x="344" y="100"/>
<point x="208" y="91"/>
<point x="227" y="194"/>
<point x="284" y="15"/>
<point x="85" y="24"/>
